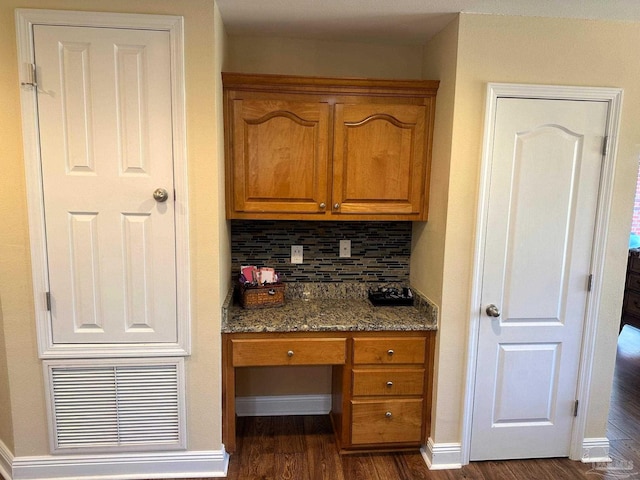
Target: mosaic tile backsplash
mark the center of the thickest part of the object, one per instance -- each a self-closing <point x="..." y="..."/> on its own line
<point x="380" y="251"/>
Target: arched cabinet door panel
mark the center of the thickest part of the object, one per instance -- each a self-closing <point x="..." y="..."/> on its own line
<point x="379" y="159"/>
<point x="280" y="156"/>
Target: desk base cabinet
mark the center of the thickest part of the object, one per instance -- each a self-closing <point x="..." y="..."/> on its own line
<point x="381" y="382"/>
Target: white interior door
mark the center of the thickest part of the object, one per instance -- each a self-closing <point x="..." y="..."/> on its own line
<point x="544" y="181"/>
<point x="104" y="112"/>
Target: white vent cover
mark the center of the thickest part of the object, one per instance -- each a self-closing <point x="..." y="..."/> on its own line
<point x="129" y="405"/>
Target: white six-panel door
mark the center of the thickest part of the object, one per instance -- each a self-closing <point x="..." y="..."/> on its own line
<point x="104" y="112"/>
<point x="543" y="194"/>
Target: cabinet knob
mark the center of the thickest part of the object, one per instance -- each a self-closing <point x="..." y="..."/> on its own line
<point x="336" y="206"/>
<point x="390" y="352"/>
<point x="388" y="414"/>
<point x="323" y="205"/>
<point x="389" y="384"/>
<point x="290" y="353"/>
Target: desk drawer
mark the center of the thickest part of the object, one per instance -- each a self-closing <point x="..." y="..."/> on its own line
<point x="632" y="303"/>
<point x="388" y="381"/>
<point x="633" y="282"/>
<point x="296" y="351"/>
<point x="391" y="350"/>
<point x="387" y="421"/>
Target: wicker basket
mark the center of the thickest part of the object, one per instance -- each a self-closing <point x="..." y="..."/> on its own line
<point x="271" y="295"/>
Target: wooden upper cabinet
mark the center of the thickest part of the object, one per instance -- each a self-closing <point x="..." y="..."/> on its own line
<point x="280" y="156"/>
<point x="379" y="159"/>
<point x="313" y="148"/>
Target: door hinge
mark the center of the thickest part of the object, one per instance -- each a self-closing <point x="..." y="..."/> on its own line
<point x="605" y="145"/>
<point x="31" y="76"/>
<point x="590" y="282"/>
<point x="575" y="409"/>
<point x="47" y="296"/>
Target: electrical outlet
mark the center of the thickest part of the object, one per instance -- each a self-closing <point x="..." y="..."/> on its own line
<point x="296" y="254"/>
<point x="345" y="248"/>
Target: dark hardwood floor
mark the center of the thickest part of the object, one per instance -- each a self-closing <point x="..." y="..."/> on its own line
<point x="303" y="448"/>
<point x="624" y="415"/>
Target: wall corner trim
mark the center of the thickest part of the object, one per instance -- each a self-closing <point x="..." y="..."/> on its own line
<point x="186" y="464"/>
<point x="442" y="456"/>
<point x="6" y="460"/>
<point x="595" y="450"/>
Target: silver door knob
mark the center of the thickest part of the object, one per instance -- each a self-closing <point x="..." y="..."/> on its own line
<point x="160" y="195"/>
<point x="290" y="353"/>
<point x="493" y="311"/>
<point x="336" y="206"/>
<point x="323" y="205"/>
<point x="388" y="415"/>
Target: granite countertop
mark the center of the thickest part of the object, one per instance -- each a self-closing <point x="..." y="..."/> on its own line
<point x="328" y="307"/>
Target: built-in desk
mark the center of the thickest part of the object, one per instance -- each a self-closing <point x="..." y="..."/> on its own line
<point x="381" y="358"/>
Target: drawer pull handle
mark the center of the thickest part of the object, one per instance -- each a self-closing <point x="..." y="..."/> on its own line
<point x="290" y="353"/>
<point x="389" y="384"/>
<point x="388" y="414"/>
<point x="390" y="352"/>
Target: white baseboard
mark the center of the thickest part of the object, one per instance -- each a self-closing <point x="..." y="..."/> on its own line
<point x="595" y="450"/>
<point x="6" y="460"/>
<point x="121" y="466"/>
<point x="283" y="405"/>
<point x="442" y="456"/>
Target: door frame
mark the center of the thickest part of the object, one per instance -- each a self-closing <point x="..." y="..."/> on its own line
<point x="25" y="20"/>
<point x="613" y="96"/>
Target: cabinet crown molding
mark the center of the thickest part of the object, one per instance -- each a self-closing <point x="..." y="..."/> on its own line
<point x="327" y="85"/>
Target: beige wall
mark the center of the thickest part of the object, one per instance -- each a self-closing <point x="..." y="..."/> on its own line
<point x="439" y="63"/>
<point x="295" y="56"/>
<point x="428" y="251"/>
<point x="221" y="58"/>
<point x="6" y="423"/>
<point x="545" y="51"/>
<point x="209" y="238"/>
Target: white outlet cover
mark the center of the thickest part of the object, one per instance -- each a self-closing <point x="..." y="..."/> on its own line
<point x="345" y="248"/>
<point x="296" y="254"/>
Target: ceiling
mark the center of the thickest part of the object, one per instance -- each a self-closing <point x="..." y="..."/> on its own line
<point x="401" y="21"/>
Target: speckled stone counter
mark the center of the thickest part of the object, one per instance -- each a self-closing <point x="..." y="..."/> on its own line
<point x="328" y="307"/>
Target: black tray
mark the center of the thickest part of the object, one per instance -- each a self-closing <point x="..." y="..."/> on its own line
<point x="381" y="299"/>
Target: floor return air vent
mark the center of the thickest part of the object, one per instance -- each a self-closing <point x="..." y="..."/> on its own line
<point x="107" y="405"/>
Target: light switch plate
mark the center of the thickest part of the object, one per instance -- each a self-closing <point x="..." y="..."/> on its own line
<point x="345" y="248"/>
<point x="296" y="254"/>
